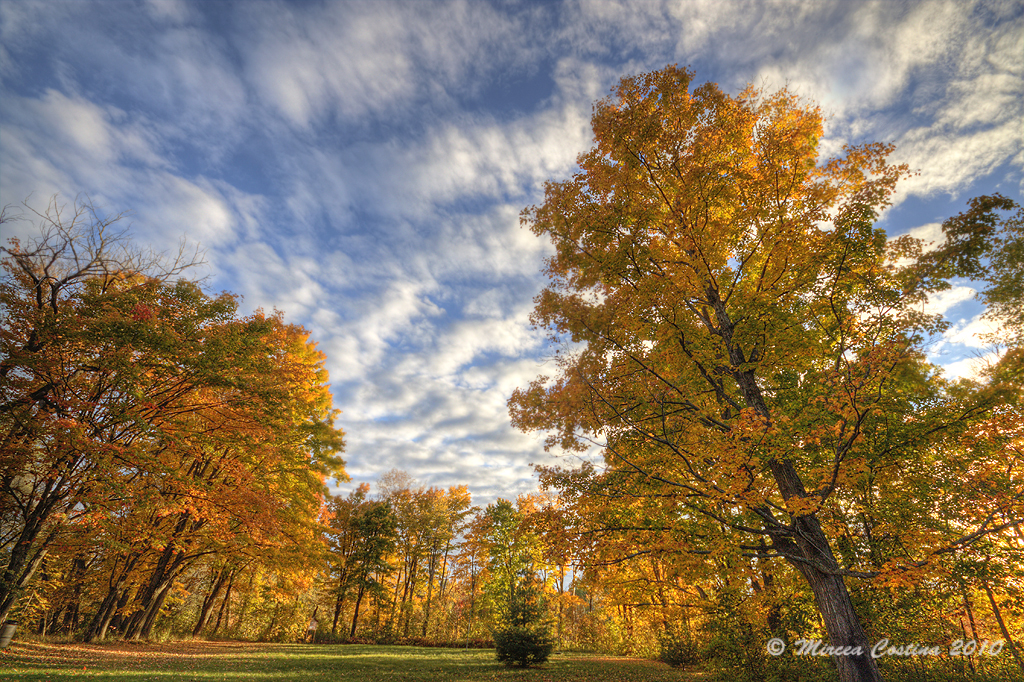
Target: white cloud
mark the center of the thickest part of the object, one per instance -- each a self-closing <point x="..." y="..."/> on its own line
<point x="942" y="301"/>
<point x="75" y="136"/>
<point x="940" y="79"/>
<point x="949" y="162"/>
<point x="929" y="233"/>
<point x="970" y="368"/>
<point x="971" y="332"/>
<point x="351" y="60"/>
<point x="69" y="146"/>
<point x="176" y="11"/>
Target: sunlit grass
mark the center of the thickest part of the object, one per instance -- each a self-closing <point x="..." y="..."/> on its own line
<point x="200" y="661"/>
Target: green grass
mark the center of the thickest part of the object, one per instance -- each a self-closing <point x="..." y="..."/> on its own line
<point x="242" y="662"/>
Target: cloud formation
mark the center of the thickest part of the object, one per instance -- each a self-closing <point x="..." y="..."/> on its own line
<point x="362" y="166"/>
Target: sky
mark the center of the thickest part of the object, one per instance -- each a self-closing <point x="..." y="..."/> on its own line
<point x="361" y="166"/>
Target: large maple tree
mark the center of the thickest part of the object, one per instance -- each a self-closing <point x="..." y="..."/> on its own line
<point x="735" y="333"/>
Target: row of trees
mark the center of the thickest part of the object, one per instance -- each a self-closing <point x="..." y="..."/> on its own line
<point x="145" y="428"/>
<point x="164" y="463"/>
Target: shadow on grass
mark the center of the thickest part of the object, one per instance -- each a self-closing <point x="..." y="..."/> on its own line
<point x="245" y="662"/>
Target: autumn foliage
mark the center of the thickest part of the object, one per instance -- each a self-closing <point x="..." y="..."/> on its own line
<point x="744" y="347"/>
<point x="146" y="428"/>
<point x="764" y="449"/>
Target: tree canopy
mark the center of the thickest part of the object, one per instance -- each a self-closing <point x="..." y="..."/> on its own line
<point x="740" y="340"/>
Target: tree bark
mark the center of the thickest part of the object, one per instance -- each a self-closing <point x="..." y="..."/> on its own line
<point x="338" y="602"/>
<point x="224" y="604"/>
<point x="843" y="626"/>
<point x="25" y="559"/>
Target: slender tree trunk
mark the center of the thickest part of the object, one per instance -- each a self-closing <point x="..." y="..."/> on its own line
<point x="842" y="625"/>
<point x="76" y="576"/>
<point x="172" y="558"/>
<point x="114" y="600"/>
<point x="107" y="614"/>
<point x="970" y="611"/>
<point x="377" y="608"/>
<point x="337" y="612"/>
<point x="1002" y="626"/>
<point x="970" y="659"/>
<point x="812" y="556"/>
<point x="472" y="602"/>
<point x="29" y="551"/>
<point x="224" y="604"/>
<point x="24" y="561"/>
<point x="407" y="606"/>
<point x="100" y="618"/>
<point x="355" y="611"/>
<point x="154" y="609"/>
<point x="141" y="622"/>
<point x="273" y="622"/>
<point x="342" y="593"/>
<point x="153" y="596"/>
<point x="431" y="568"/>
<point x="207" y="608"/>
<point x="561" y="601"/>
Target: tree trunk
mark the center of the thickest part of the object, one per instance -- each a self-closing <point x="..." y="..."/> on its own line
<point x="407" y="607"/>
<point x="154" y="610"/>
<point x="171" y="560"/>
<point x="807" y="549"/>
<point x="1002" y="626"/>
<point x="76" y="576"/>
<point x="107" y="613"/>
<point x="273" y="622"/>
<point x="561" y="602"/>
<point x="431" y="567"/>
<point x="355" y="612"/>
<point x="207" y="608"/>
<point x="100" y="619"/>
<point x="224" y="604"/>
<point x="21" y="567"/>
<point x="111" y="603"/>
<point x="842" y="624"/>
<point x="970" y="612"/>
<point x="809" y="552"/>
<point x="337" y="612"/>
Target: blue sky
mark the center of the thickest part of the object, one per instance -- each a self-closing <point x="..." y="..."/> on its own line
<point x="362" y="166"/>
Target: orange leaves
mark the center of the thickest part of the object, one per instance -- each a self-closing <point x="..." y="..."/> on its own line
<point x="153" y="421"/>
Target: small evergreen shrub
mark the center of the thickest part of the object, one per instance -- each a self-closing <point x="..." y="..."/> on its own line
<point x="677" y="650"/>
<point x="522" y="646"/>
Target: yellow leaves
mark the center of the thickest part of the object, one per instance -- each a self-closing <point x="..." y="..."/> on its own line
<point x="901" y="575"/>
<point x="750" y="341"/>
<point x="803" y="506"/>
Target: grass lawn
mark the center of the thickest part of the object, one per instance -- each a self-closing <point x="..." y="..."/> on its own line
<point x="245" y="662"/>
